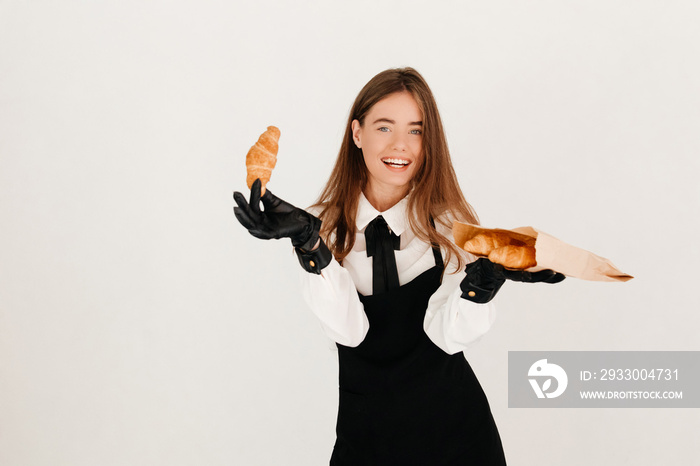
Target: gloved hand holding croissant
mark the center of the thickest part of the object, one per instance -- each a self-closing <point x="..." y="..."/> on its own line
<point x="280" y="219"/>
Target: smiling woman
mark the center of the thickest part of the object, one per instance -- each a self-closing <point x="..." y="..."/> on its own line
<point x="389" y="287"/>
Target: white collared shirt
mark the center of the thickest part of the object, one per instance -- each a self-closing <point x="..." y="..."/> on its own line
<point x="451" y="322"/>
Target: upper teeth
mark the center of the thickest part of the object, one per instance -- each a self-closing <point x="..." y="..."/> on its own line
<point x="396" y="161"/>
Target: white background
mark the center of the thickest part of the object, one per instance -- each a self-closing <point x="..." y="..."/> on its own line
<point x="141" y="325"/>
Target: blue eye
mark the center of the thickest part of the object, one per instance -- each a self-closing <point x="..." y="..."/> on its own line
<point x="416" y="131"/>
<point x="383" y="129"/>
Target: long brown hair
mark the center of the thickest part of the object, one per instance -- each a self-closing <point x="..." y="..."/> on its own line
<point x="434" y="188"/>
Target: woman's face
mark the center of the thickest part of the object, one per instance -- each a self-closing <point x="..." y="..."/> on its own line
<point x="391" y="142"/>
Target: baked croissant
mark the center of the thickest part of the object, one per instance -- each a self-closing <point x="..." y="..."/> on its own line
<point x="483" y="243"/>
<point x="514" y="257"/>
<point x="262" y="157"/>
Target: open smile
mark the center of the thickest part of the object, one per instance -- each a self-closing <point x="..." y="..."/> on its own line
<point x="394" y="162"/>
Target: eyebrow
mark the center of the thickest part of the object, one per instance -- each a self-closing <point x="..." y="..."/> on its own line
<point x="386" y="120"/>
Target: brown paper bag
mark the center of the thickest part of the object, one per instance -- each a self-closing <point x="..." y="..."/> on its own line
<point x="552" y="253"/>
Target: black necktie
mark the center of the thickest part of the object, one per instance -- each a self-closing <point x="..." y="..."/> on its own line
<point x="381" y="243"/>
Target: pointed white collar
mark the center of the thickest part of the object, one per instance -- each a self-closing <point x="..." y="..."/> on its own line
<point x="395" y="217"/>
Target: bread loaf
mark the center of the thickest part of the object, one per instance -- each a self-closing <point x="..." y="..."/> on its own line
<point x="262" y="157"/>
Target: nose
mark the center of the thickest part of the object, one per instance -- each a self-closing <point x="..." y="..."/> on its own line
<point x="399" y="143"/>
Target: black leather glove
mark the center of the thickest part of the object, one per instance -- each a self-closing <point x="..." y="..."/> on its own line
<point x="484" y="279"/>
<point x="280" y="219"/>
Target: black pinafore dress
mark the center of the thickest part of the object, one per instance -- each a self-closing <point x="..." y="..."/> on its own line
<point x="403" y="400"/>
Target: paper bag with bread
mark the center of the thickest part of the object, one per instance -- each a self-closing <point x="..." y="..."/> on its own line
<point x="527" y="248"/>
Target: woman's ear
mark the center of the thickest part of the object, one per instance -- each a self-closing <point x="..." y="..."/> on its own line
<point x="356" y="133"/>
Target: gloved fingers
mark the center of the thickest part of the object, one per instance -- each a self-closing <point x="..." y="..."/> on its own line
<point x="246" y="209"/>
<point x="255" y="197"/>
<point x="497" y="269"/>
<point x="474" y="267"/>
<point x="517" y="275"/>
<point x="484" y="267"/>
<point x="243" y="218"/>
<point x="261" y="234"/>
<point x="273" y="203"/>
<point x="546" y="276"/>
<point x="240" y="199"/>
<point x="555" y="277"/>
<point x="542" y="276"/>
<point x="473" y="272"/>
<point x="484" y="273"/>
<point x="268" y="199"/>
<point x="255" y="229"/>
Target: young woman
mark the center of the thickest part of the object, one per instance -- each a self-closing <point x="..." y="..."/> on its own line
<point x="391" y="289"/>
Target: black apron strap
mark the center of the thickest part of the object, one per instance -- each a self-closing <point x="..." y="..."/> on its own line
<point x="438" y="256"/>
